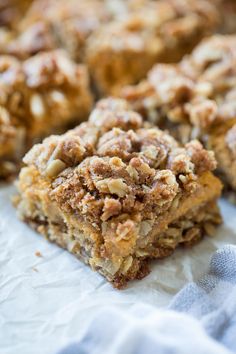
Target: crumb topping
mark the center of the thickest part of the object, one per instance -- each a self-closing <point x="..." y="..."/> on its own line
<point x="144" y="33"/>
<point x="101" y="171"/>
<point x="200" y="90"/>
<point x="32" y="40"/>
<point x="41" y="30"/>
<point x="42" y="93"/>
<point x="170" y="21"/>
<point x="51" y="69"/>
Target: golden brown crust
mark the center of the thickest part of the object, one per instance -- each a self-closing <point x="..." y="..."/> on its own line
<point x="114" y="184"/>
<point x="195" y="98"/>
<point x="155" y="31"/>
<point x="41" y="29"/>
<point x="39" y="96"/>
<point x="125" y="37"/>
<point x="36" y="38"/>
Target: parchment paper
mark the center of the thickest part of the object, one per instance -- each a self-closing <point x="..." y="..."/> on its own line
<point x="46" y="302"/>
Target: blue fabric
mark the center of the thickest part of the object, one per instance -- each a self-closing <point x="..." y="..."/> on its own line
<point x="201" y="319"/>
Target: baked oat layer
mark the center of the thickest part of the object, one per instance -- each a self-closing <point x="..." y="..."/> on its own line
<point x="145" y="33"/>
<point x="116" y="192"/>
<point x="39" y="96"/>
<point x="41" y="29"/>
<point x="196" y="99"/>
<point x="125" y="37"/>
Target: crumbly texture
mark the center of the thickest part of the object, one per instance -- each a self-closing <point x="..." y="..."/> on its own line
<point x="116" y="192"/>
<point x="45" y="94"/>
<point x="41" y="29"/>
<point x="155" y="31"/>
<point x="126" y="37"/>
<point x="35" y="38"/>
<point x="196" y="99"/>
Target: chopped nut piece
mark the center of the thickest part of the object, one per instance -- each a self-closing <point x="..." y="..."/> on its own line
<point x="118" y="187"/>
<point x="112" y="207"/>
<point x="54" y="168"/>
<point x="132" y="172"/>
<point x="38" y="254"/>
<point x="36" y="105"/>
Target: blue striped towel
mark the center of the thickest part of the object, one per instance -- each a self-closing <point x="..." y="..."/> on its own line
<point x="201" y="319"/>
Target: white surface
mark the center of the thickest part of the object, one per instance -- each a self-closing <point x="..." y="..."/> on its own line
<point x="46" y="302"/>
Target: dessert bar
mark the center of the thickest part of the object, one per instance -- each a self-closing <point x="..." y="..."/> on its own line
<point x="125" y="37"/>
<point x="42" y="95"/>
<point x="196" y="99"/>
<point x="156" y="31"/>
<point x="117" y="192"/>
<point x="51" y="24"/>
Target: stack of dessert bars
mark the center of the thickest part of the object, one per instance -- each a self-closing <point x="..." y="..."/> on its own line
<point x="143" y="94"/>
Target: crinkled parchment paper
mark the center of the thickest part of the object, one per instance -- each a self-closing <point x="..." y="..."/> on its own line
<point x="46" y="301"/>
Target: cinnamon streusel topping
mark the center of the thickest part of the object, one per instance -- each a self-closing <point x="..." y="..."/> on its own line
<point x="101" y="170"/>
<point x="39" y="96"/>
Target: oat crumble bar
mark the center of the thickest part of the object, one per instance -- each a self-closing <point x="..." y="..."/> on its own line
<point x="126" y="37"/>
<point x="155" y="31"/>
<point x="117" y="192"/>
<point x="196" y="99"/>
<point x="42" y="29"/>
<point x="44" y="94"/>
